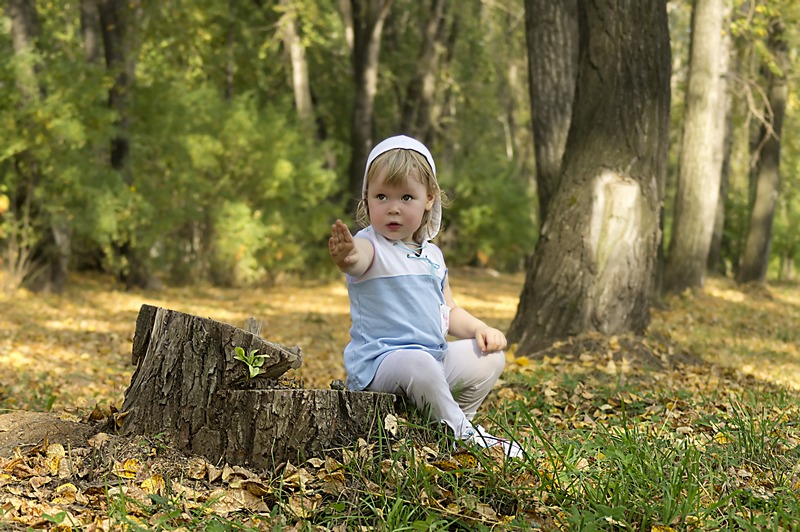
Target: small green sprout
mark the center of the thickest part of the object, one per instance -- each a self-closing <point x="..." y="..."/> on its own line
<point x="253" y="360"/>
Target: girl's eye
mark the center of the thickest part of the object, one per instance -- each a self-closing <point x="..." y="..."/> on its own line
<point x="407" y="197"/>
<point x="381" y="196"/>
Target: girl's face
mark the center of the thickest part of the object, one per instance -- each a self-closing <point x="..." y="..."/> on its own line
<point x="396" y="211"/>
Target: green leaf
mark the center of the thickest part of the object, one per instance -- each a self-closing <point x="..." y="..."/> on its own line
<point x="57" y="519"/>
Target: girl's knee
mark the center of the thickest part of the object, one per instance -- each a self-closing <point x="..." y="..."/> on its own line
<point x="496" y="362"/>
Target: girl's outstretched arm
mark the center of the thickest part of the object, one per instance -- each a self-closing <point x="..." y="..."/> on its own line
<point x="465" y="325"/>
<point x="352" y="256"/>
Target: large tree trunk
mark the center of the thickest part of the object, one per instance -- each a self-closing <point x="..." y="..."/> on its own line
<point x="551" y="31"/>
<point x="755" y="257"/>
<point x="368" y="17"/>
<point x="594" y="263"/>
<point x="700" y="165"/>
<point x="188" y="385"/>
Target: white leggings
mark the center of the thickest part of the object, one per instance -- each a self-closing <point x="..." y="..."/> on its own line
<point x="452" y="388"/>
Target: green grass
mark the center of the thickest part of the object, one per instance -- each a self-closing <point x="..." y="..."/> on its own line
<point x="634" y="469"/>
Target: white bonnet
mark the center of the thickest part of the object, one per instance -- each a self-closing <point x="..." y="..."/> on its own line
<point x="407" y="143"/>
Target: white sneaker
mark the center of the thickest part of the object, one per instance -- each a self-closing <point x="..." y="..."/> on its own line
<point x="478" y="437"/>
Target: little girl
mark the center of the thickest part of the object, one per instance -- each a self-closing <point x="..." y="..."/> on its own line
<point x="401" y="304"/>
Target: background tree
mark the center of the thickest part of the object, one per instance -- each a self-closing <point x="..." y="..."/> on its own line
<point x="715" y="262"/>
<point x="551" y="30"/>
<point x="42" y="250"/>
<point x="296" y="49"/>
<point x="701" y="154"/>
<point x="116" y="24"/>
<point x="755" y="256"/>
<point x="417" y="113"/>
<point x="593" y="266"/>
<point x="365" y="18"/>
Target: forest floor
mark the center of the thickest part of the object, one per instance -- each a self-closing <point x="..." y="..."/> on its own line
<point x="70" y="355"/>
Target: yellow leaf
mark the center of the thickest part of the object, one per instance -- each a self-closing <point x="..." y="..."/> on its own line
<point x="128" y="469"/>
<point x="522" y="361"/>
<point x="154" y="485"/>
<point x="613" y="343"/>
<point x="65" y="494"/>
<point x="466" y="459"/>
<point x="722" y="438"/>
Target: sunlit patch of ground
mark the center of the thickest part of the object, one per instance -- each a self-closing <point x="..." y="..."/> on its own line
<point x="74" y="350"/>
<point x="754" y="329"/>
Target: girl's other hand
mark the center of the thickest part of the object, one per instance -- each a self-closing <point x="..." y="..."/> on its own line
<point x="490" y="339"/>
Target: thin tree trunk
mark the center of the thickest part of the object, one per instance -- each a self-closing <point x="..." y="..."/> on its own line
<point x="230" y="49"/>
<point x="116" y="18"/>
<point x="51" y="253"/>
<point x="551" y="29"/>
<point x="716" y="262"/>
<point x="301" y="84"/>
<point x="787" y="268"/>
<point x="114" y="23"/>
<point x="755" y="256"/>
<point x="415" y="119"/>
<point x="90" y="30"/>
<point x="700" y="165"/>
<point x="368" y="17"/>
<point x="595" y="260"/>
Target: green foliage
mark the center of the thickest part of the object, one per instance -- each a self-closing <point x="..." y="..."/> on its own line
<point x="228" y="181"/>
<point x="225" y="184"/>
<point x="491" y="216"/>
<point x="253" y="360"/>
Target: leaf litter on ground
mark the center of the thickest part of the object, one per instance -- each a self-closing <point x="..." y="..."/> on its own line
<point x="687" y="382"/>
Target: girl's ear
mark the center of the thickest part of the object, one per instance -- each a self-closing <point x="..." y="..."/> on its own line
<point x="429" y="205"/>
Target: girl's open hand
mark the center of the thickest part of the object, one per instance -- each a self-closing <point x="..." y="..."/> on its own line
<point x="342" y="247"/>
<point x="490" y="339"/>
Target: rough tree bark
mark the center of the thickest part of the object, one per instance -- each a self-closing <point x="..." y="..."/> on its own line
<point x="551" y="32"/>
<point x="188" y="385"/>
<point x="594" y="263"/>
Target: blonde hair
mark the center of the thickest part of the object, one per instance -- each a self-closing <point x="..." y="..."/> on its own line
<point x="398" y="165"/>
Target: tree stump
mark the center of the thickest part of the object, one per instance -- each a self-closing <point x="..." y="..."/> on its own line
<point x="188" y="385"/>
